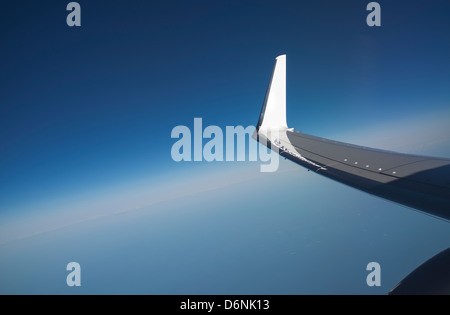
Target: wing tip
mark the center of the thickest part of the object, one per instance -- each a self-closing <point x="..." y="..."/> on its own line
<point x="273" y="112"/>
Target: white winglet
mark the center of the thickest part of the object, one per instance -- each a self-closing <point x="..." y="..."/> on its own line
<point x="273" y="112"/>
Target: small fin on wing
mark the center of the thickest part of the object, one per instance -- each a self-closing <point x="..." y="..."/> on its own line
<point x="273" y="112"/>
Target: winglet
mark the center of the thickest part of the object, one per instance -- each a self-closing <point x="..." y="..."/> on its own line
<point x="273" y="112"/>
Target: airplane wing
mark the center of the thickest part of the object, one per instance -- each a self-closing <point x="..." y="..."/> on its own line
<point x="430" y="278"/>
<point x="419" y="182"/>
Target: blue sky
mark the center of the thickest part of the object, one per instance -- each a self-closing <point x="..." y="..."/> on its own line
<point x="86" y="106"/>
<point x="86" y="113"/>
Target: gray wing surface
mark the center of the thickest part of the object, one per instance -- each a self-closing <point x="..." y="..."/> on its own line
<point x="419" y="182"/>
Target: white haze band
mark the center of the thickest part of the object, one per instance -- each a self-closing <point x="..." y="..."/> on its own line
<point x="215" y="150"/>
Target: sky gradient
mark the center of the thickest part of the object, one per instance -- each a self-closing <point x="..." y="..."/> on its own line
<point x="86" y="113"/>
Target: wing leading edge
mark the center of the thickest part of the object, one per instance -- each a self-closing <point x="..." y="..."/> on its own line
<point x="419" y="182"/>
